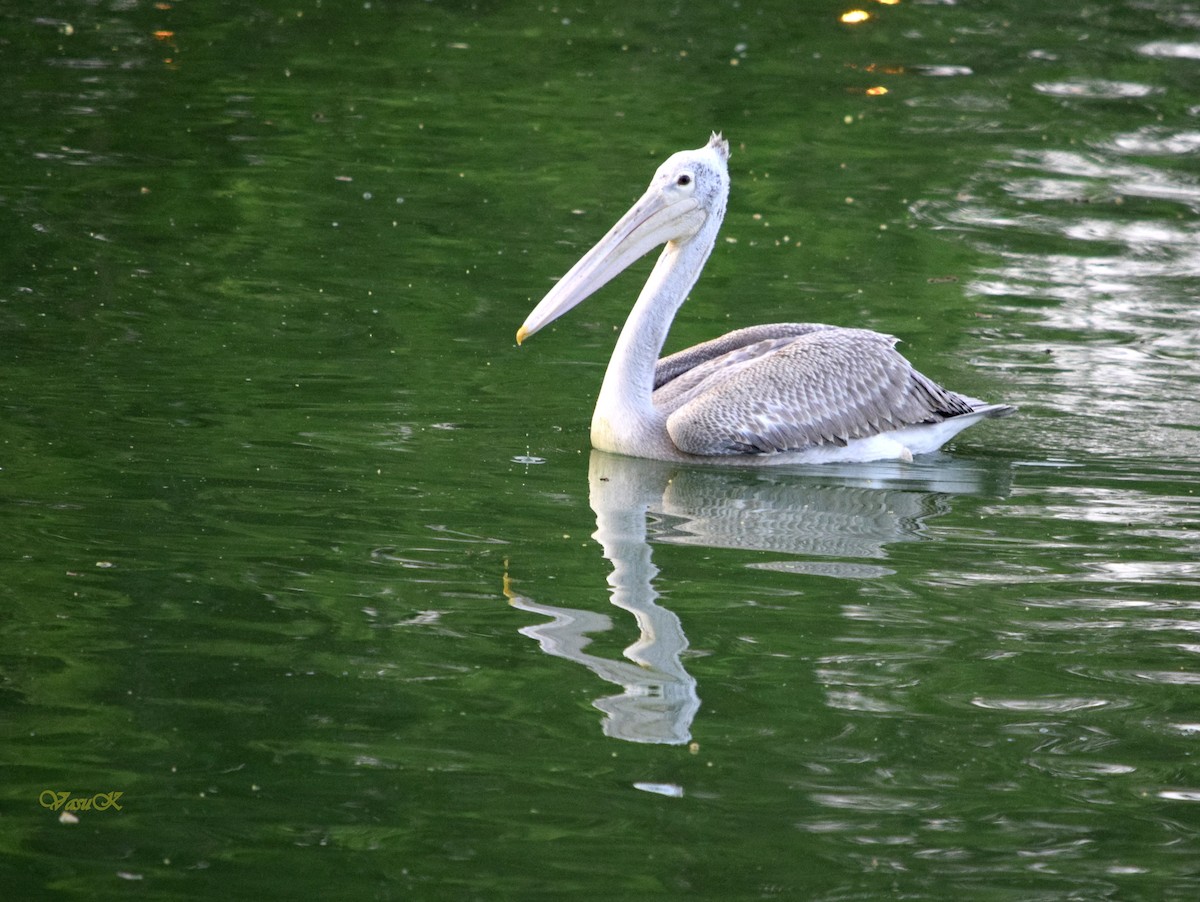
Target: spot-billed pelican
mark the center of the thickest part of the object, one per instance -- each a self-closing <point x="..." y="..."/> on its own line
<point x="777" y="393"/>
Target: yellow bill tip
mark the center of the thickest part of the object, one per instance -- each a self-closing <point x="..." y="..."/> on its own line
<point x="521" y="334"/>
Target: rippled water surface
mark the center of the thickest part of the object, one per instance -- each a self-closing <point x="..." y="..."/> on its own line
<point x="314" y="588"/>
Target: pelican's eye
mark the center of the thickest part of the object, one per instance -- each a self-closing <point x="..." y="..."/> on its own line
<point x="684" y="180"/>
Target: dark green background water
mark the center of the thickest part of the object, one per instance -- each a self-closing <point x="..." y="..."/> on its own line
<point x="299" y="545"/>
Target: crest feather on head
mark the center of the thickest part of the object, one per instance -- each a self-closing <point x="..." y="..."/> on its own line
<point x="718" y="143"/>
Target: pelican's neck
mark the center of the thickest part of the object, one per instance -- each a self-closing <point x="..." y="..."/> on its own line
<point x="625" y="420"/>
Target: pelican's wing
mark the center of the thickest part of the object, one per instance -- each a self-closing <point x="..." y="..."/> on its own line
<point x="823" y="387"/>
<point x="671" y="367"/>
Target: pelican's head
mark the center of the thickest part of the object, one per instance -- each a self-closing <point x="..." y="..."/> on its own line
<point x="689" y="190"/>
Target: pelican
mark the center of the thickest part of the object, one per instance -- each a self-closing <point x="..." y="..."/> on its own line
<point x="776" y="393"/>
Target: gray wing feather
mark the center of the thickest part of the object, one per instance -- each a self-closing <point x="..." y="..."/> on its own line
<point x="822" y="386"/>
<point x="672" y="366"/>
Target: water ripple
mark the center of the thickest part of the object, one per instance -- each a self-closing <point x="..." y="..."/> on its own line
<point x="1180" y="795"/>
<point x="863" y="801"/>
<point x="1045" y="705"/>
<point x="1153" y="141"/>
<point x="1100" y="248"/>
<point x="1171" y="50"/>
<point x="1096" y="89"/>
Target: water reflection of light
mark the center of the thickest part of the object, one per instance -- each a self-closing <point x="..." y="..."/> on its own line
<point x="1171" y="49"/>
<point x="1092" y="279"/>
<point x="1045" y="705"/>
<point x="1180" y="795"/>
<point x="1096" y="89"/>
<point x="1085" y="250"/>
<point x="1167" y="572"/>
<point x="1099" y="504"/>
<point x="1154" y="140"/>
<point x="1136" y="179"/>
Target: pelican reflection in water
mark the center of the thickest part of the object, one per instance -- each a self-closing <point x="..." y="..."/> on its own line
<point x="834" y="525"/>
<point x="776" y="393"/>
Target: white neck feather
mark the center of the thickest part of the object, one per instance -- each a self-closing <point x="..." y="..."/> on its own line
<point x="625" y="420"/>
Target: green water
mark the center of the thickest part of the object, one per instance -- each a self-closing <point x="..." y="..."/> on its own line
<point x="314" y="566"/>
